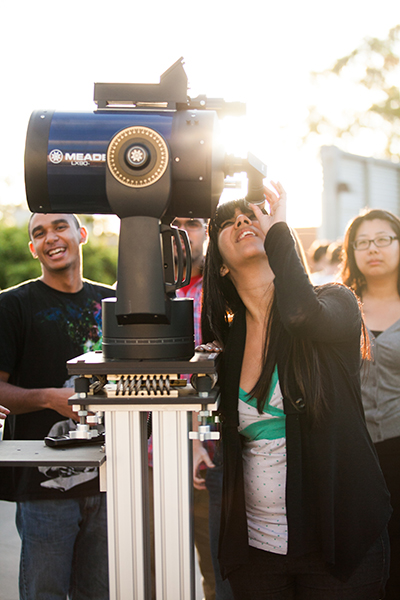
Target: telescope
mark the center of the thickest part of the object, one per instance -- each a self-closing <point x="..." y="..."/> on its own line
<point x="148" y="153"/>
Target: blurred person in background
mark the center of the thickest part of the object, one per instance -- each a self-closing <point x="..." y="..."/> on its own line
<point x="207" y="456"/>
<point x="331" y="270"/>
<point x="207" y="470"/>
<point x="316" y="255"/>
<point x="371" y="267"/>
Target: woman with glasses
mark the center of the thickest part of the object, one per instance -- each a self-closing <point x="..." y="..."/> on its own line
<point x="305" y="505"/>
<point x="371" y="267"/>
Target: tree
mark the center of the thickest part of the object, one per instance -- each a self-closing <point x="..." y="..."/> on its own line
<point x="373" y="67"/>
<point x="100" y="261"/>
<point x="16" y="263"/>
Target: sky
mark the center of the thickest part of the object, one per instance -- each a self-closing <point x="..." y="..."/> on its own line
<point x="257" y="52"/>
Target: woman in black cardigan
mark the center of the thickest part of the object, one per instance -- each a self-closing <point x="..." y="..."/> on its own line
<point x="305" y="505"/>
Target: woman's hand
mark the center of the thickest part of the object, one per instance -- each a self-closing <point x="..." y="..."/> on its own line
<point x="277" y="207"/>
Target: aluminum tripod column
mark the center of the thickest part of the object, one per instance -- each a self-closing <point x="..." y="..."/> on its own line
<point x="174" y="553"/>
<point x="127" y="504"/>
<point x="128" y="501"/>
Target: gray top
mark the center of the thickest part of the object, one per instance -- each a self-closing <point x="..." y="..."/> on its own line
<point x="380" y="385"/>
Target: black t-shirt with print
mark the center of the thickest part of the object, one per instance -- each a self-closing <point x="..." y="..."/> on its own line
<point x="40" y="330"/>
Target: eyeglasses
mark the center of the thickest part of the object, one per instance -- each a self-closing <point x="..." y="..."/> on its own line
<point x="380" y="242"/>
<point x="190" y="225"/>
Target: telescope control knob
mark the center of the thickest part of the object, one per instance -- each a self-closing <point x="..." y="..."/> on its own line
<point x="137" y="156"/>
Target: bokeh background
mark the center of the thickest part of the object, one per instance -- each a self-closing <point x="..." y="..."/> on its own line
<point x="265" y="54"/>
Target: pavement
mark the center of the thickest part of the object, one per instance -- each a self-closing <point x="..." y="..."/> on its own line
<point x="9" y="552"/>
<point x="9" y="555"/>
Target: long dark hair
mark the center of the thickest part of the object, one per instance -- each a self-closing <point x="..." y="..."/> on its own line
<point x="350" y="273"/>
<point x="222" y="302"/>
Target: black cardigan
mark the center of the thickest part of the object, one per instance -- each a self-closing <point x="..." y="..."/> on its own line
<point x="336" y="497"/>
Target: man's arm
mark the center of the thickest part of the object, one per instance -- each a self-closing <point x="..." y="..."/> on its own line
<point x="20" y="400"/>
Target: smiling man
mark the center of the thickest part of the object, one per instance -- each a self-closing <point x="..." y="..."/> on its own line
<point x="61" y="515"/>
<point x="56" y="241"/>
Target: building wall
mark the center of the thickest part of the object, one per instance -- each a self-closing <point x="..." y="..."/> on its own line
<point x="352" y="183"/>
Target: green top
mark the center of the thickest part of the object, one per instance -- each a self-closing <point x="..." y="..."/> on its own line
<point x="271" y="424"/>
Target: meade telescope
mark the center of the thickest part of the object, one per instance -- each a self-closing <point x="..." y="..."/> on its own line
<point x="148" y="153"/>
